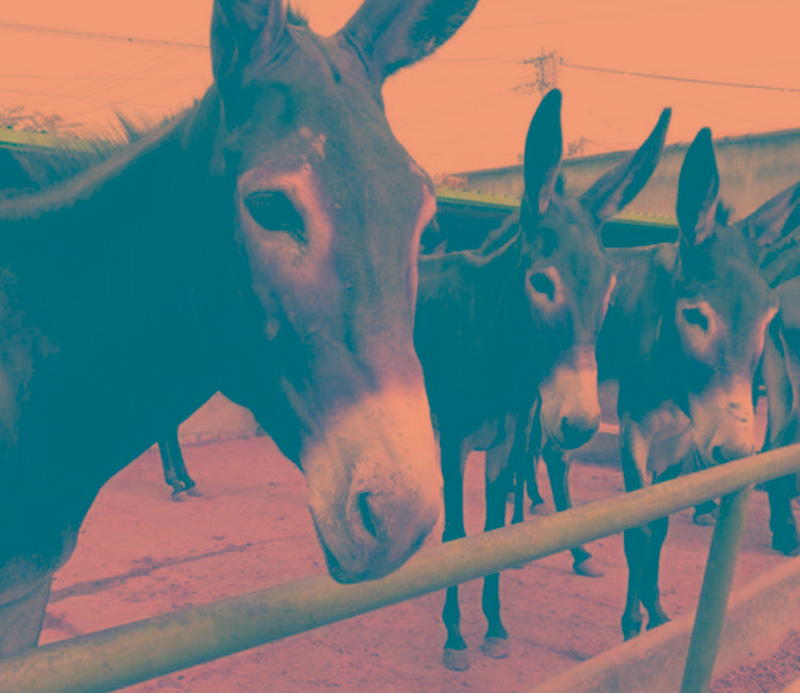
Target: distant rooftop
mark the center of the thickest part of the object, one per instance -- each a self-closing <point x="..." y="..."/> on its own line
<point x="760" y="137"/>
<point x="21" y="139"/>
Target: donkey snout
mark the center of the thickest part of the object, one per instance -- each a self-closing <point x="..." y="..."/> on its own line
<point x="375" y="483"/>
<point x="381" y="522"/>
<point x="729" y="450"/>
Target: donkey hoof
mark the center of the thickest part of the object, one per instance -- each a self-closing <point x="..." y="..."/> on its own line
<point x="588" y="567"/>
<point x="179" y="496"/>
<point x="496" y="648"/>
<point x="630" y="628"/>
<point x="706" y="513"/>
<point x="538" y="508"/>
<point x="658" y="620"/>
<point x="705" y="519"/>
<point x="194" y="492"/>
<point x="455" y="660"/>
<point x="788" y="546"/>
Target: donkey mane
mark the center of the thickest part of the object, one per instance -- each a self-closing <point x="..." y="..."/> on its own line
<point x="724" y="213"/>
<point x="72" y="174"/>
<point x="55" y="175"/>
<point x="47" y="168"/>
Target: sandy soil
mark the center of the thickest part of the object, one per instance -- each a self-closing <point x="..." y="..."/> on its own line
<point x="140" y="554"/>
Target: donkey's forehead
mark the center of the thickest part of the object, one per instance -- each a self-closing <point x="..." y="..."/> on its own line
<point x="725" y="268"/>
<point x="569" y="236"/>
<point x="315" y="101"/>
<point x="734" y="289"/>
<point x="565" y="212"/>
<point x="319" y="74"/>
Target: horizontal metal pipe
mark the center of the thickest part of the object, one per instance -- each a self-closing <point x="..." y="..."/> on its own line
<point x="153" y="647"/>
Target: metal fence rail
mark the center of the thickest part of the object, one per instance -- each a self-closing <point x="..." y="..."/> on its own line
<point x="153" y="647"/>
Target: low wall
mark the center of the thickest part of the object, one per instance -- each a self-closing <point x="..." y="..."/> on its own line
<point x="759" y="618"/>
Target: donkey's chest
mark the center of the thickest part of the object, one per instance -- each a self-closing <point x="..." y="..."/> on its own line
<point x="665" y="422"/>
<point x="487" y="435"/>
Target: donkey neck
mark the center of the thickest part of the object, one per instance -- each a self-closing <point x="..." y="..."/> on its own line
<point x="116" y="287"/>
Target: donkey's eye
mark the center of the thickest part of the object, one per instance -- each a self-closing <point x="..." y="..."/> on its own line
<point x="694" y="316"/>
<point x="542" y="284"/>
<point x="274" y="211"/>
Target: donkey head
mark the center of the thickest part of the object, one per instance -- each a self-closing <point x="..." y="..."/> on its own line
<point x="329" y="209"/>
<point x="723" y="306"/>
<point x="568" y="282"/>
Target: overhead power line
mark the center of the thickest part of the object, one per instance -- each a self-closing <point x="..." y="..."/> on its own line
<point x="94" y="35"/>
<point x="673" y="78"/>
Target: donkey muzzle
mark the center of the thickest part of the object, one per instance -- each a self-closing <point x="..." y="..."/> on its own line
<point x="375" y="483"/>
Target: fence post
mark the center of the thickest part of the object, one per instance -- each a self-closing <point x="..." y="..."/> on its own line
<point x="715" y="592"/>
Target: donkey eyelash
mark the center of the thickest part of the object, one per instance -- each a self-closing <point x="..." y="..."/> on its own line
<point x="273" y="211"/>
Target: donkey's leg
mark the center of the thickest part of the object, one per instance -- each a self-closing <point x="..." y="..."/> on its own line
<point x="175" y="472"/>
<point x="21" y="620"/>
<point x="519" y="495"/>
<point x="499" y="474"/>
<point x="168" y="465"/>
<point x="176" y="455"/>
<point x="634" y="448"/>
<point x="533" y="447"/>
<point x="650" y="593"/>
<point x="537" y="506"/>
<point x="522" y="466"/>
<point x="781" y="517"/>
<point x="455" y="649"/>
<point x="558" y="472"/>
<point x="525" y="478"/>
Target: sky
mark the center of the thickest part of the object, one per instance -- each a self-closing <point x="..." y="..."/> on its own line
<point x="459" y="109"/>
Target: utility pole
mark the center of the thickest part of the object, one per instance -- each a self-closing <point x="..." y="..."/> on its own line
<point x="546" y="66"/>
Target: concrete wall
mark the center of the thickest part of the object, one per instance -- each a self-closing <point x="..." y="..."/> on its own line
<point x="752" y="169"/>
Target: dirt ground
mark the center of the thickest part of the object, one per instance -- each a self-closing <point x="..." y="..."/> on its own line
<point x="141" y="554"/>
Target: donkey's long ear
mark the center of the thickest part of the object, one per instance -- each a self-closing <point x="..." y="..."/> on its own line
<point x="240" y="28"/>
<point x="698" y="190"/>
<point x="774" y="219"/>
<point x="390" y="34"/>
<point x="543" y="147"/>
<point x="622" y="183"/>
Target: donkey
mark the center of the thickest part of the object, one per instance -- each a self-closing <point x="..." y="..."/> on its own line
<point x="519" y="315"/>
<point x="689" y="321"/>
<point x="263" y="244"/>
<point x="36" y="170"/>
<point x="780" y="267"/>
<point x="684" y="338"/>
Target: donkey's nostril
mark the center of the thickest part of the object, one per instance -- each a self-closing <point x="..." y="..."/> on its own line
<point x="366" y="513"/>
<point x="734" y="451"/>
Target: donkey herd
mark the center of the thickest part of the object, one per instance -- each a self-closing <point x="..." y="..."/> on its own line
<point x="265" y="244"/>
